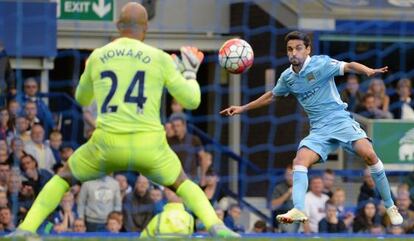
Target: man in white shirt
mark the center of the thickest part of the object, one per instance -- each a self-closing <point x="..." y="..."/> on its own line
<point x="39" y="150"/>
<point x="404" y="107"/>
<point x="315" y="201"/>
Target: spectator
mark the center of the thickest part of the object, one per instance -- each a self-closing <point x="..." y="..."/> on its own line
<point x="3" y="145"/>
<point x="5" y="124"/>
<point x="282" y="201"/>
<point x="22" y="128"/>
<point x="169" y="130"/>
<point x="3" y="156"/>
<point x="206" y="161"/>
<point x="125" y="188"/>
<point x="259" y="227"/>
<point x="395" y="230"/>
<point x="403" y="108"/>
<point x="30" y="112"/>
<point x="4" y="202"/>
<point x="351" y="94"/>
<point x="14" y="109"/>
<point x="370" y="110"/>
<point x="315" y="201"/>
<point x="188" y="147"/>
<point x="403" y="204"/>
<point x="55" y="142"/>
<point x="6" y="220"/>
<point x="156" y="194"/>
<point x="79" y="226"/>
<point x="114" y="222"/>
<point x="212" y="187"/>
<point x="176" y="107"/>
<point x="31" y="94"/>
<point x="26" y="198"/>
<point x="403" y="187"/>
<point x="30" y="170"/>
<point x="376" y="229"/>
<point x="377" y="89"/>
<point x="17" y="151"/>
<point x="39" y="150"/>
<point x="328" y="179"/>
<point x="137" y="207"/>
<point x="7" y="80"/>
<point x="14" y="187"/>
<point x="66" y="213"/>
<point x="368" y="190"/>
<point x="97" y="198"/>
<point x="157" y="198"/>
<point x="5" y="171"/>
<point x="331" y="223"/>
<point x="220" y="213"/>
<point x="59" y="228"/>
<point x="232" y="219"/>
<point x="57" y="167"/>
<point x="66" y="150"/>
<point x="366" y="218"/>
<point x="173" y="221"/>
<point x="75" y="189"/>
<point x="338" y="199"/>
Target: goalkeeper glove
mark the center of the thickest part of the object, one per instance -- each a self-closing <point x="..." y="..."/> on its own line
<point x="190" y="61"/>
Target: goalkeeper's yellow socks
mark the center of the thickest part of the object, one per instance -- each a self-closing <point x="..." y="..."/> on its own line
<point x="45" y="203"/>
<point x="196" y="200"/>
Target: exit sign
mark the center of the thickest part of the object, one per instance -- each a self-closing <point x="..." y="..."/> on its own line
<point x="93" y="10"/>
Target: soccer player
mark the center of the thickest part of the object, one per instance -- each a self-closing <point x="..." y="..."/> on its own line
<point x="311" y="81"/>
<point x="126" y="77"/>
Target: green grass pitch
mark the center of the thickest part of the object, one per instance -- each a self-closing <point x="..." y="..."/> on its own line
<point x="210" y="239"/>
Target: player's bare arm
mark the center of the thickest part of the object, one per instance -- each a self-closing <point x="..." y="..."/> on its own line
<point x="263" y="100"/>
<point x="358" y="68"/>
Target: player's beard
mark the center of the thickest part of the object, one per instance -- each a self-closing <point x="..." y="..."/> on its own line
<point x="295" y="62"/>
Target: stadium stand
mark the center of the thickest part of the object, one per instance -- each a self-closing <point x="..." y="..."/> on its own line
<point x="249" y="154"/>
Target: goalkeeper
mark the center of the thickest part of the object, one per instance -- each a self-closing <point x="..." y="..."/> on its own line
<point x="126" y="77"/>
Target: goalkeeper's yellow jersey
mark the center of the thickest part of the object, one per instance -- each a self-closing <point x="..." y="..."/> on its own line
<point x="127" y="78"/>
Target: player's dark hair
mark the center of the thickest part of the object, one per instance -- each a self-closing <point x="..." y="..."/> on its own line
<point x="296" y="35"/>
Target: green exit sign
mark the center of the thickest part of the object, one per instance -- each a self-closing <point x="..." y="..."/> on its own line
<point x="94" y="10"/>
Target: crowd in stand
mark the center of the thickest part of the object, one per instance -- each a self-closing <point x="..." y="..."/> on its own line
<point x="377" y="102"/>
<point x="32" y="150"/>
<point x="328" y="213"/>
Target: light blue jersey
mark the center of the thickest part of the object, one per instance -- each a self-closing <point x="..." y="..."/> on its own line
<point x="314" y="87"/>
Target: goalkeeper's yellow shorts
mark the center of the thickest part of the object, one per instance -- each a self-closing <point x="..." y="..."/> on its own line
<point x="145" y="152"/>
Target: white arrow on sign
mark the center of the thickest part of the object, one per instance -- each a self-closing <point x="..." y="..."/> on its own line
<point x="101" y="9"/>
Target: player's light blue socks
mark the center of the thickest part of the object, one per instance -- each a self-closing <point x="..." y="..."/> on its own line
<point x="381" y="183"/>
<point x="300" y="186"/>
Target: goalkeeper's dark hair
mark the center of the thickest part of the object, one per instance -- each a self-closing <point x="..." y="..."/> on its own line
<point x="296" y="35"/>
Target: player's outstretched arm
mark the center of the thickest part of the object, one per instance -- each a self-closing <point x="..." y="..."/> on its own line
<point x="263" y="100"/>
<point x="358" y="68"/>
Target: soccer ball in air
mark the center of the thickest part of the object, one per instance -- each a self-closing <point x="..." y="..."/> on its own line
<point x="236" y="56"/>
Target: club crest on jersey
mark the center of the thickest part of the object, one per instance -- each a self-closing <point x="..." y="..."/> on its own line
<point x="310" y="77"/>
